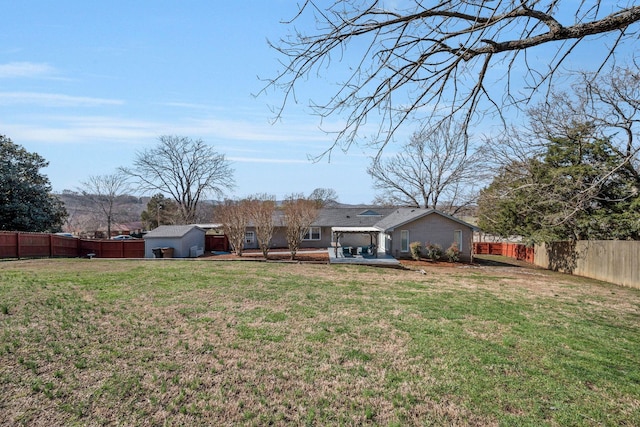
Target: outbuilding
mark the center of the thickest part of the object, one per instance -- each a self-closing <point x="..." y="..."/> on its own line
<point x="179" y="241"/>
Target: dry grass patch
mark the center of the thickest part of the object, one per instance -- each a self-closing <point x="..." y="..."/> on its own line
<point x="182" y="342"/>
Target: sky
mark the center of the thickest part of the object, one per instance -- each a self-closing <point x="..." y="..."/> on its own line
<point x="88" y="84"/>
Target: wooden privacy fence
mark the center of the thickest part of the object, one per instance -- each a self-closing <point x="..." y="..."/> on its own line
<point x="614" y="261"/>
<point x="111" y="248"/>
<point x="43" y="245"/>
<point x="216" y="242"/>
<point x="516" y="251"/>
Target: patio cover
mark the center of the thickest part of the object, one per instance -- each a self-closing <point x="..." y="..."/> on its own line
<point x="355" y="229"/>
<point x="371" y="231"/>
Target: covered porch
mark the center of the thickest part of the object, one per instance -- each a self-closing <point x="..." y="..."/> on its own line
<point x="359" y="250"/>
<point x="337" y="233"/>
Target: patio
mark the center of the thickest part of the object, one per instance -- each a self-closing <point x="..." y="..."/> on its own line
<point x="380" y="259"/>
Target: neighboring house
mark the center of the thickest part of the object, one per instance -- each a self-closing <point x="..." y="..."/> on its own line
<point x="391" y="230"/>
<point x="126" y="229"/>
<point x="185" y="240"/>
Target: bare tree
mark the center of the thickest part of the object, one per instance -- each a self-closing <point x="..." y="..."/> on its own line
<point x="609" y="103"/>
<point x="325" y="197"/>
<point x="234" y="215"/>
<point x="428" y="60"/>
<point x="186" y="169"/>
<point x="581" y="187"/>
<point x="299" y="213"/>
<point x="103" y="191"/>
<point x="603" y="107"/>
<point x="597" y="112"/>
<point x="433" y="170"/>
<point x="261" y="212"/>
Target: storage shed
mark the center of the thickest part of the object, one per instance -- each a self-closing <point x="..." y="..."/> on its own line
<point x="185" y="240"/>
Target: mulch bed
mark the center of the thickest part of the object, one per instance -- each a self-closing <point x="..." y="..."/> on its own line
<point x="313" y="256"/>
<point x="274" y="255"/>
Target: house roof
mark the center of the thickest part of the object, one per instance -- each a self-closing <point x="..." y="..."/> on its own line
<point x="128" y="226"/>
<point x="402" y="216"/>
<point x="351" y="217"/>
<point x="363" y="218"/>
<point x="209" y="226"/>
<point x="171" y="231"/>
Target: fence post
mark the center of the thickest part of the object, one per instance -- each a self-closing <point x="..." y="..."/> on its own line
<point x="18" y="244"/>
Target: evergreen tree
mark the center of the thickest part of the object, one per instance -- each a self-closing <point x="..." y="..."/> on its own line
<point x="580" y="188"/>
<point x="26" y="202"/>
<point x="160" y="211"/>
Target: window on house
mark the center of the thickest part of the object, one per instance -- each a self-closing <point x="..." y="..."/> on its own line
<point x="457" y="237"/>
<point x="249" y="237"/>
<point x="404" y="240"/>
<point x="312" y="234"/>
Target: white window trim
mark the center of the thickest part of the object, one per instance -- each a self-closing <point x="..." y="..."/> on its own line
<point x="249" y="237"/>
<point x="404" y="249"/>
<point x="309" y="234"/>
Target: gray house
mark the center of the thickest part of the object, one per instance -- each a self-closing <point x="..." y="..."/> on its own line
<point x="406" y="225"/>
<point x="390" y="230"/>
<point x="185" y="240"/>
<point x="321" y="232"/>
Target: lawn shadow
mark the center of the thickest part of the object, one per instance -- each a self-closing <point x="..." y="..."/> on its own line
<point x="500" y="261"/>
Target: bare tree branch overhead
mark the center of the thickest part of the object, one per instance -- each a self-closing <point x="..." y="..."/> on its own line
<point x="428" y="60"/>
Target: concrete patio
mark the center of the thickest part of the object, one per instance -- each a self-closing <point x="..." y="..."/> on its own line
<point x="382" y="260"/>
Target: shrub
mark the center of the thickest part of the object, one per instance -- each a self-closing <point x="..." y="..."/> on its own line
<point x="453" y="253"/>
<point x="433" y="251"/>
<point x="416" y="250"/>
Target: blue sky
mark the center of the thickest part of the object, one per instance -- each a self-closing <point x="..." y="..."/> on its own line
<point x="86" y="84"/>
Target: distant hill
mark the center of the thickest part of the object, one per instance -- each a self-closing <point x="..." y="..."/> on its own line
<point x="86" y="218"/>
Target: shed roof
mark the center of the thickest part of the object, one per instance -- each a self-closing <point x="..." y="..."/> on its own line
<point x="171" y="231"/>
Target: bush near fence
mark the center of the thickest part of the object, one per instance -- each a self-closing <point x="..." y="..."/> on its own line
<point x="43" y="245"/>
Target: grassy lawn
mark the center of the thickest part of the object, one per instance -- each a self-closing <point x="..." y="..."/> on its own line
<point x="193" y="343"/>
